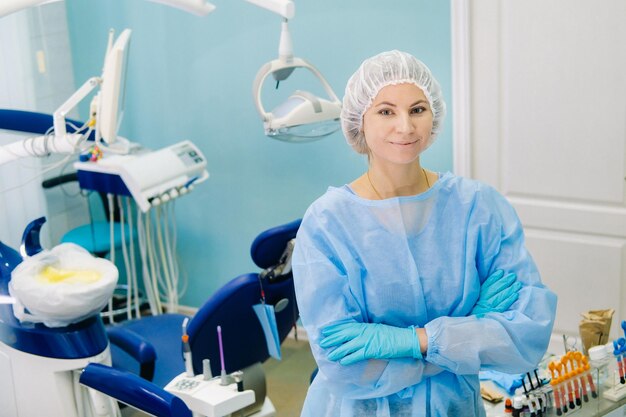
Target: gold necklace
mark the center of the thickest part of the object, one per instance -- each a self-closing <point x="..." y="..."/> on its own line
<point x="378" y="194"/>
<point x="372" y="185"/>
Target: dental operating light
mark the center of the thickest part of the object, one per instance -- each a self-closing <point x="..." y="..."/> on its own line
<point x="198" y="7"/>
<point x="303" y="117"/>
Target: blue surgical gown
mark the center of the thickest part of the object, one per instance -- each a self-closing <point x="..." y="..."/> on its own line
<point x="417" y="260"/>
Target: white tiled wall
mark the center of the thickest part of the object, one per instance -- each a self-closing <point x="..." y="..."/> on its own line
<point x="36" y="75"/>
<point x="49" y="38"/>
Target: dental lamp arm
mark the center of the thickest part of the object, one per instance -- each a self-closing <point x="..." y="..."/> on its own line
<point x="133" y="390"/>
<point x="287" y="10"/>
<point x="11" y="6"/>
<point x="59" y="114"/>
<point x="198" y="7"/>
<point x="284" y="8"/>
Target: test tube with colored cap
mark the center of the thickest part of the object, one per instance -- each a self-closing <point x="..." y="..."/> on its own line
<point x="574" y="376"/>
<point x="223" y="380"/>
<point x="579" y="370"/>
<point x="555" y="389"/>
<point x="592" y="386"/>
<point x="623" y="380"/>
<point x="623" y="351"/>
<point x="618" y="346"/>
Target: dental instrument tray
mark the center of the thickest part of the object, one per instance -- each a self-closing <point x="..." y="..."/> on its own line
<point x="150" y="177"/>
<point x="208" y="397"/>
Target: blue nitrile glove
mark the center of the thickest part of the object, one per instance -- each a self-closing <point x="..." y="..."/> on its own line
<point x="359" y="341"/>
<point x="509" y="382"/>
<point x="497" y="293"/>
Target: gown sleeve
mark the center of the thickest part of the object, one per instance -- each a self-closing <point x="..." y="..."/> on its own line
<point x="327" y="292"/>
<point x="513" y="341"/>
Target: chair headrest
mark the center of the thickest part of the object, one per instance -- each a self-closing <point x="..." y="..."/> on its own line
<point x="268" y="247"/>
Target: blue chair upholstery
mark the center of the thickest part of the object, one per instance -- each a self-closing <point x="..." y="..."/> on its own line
<point x="229" y="307"/>
<point x="94" y="236"/>
<point x="242" y="335"/>
<point x="33" y="122"/>
<point x="162" y="334"/>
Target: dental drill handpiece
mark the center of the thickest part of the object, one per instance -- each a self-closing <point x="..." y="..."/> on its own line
<point x="187" y="350"/>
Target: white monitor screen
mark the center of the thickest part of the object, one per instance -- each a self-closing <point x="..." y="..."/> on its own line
<point x="111" y="93"/>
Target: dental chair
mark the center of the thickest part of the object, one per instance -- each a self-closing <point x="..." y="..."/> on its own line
<point x="151" y="346"/>
<point x="63" y="371"/>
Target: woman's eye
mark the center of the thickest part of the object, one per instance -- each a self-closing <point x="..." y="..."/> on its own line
<point x="384" y="112"/>
<point x="418" y="110"/>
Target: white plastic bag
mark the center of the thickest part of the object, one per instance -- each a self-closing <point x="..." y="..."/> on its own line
<point x="62" y="286"/>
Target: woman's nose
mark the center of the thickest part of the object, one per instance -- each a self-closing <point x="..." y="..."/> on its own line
<point x="404" y="124"/>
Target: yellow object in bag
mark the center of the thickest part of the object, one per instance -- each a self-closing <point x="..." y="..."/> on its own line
<point x="52" y="275"/>
<point x="61" y="286"/>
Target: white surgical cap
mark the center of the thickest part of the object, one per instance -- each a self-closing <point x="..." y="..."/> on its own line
<point x="387" y="68"/>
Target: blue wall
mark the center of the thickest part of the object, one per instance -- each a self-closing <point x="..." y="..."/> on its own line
<point x="191" y="78"/>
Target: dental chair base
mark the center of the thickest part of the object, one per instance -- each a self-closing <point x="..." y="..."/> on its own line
<point x="33" y="385"/>
<point x="40" y="366"/>
<point x="267" y="410"/>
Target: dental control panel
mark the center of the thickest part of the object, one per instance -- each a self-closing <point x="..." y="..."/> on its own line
<point x="210" y="397"/>
<point x="150" y="177"/>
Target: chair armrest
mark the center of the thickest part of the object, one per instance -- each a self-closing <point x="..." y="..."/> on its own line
<point x="31" y="122"/>
<point x="137" y="347"/>
<point x="133" y="390"/>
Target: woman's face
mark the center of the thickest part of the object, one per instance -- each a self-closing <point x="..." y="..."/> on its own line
<point x="398" y="125"/>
